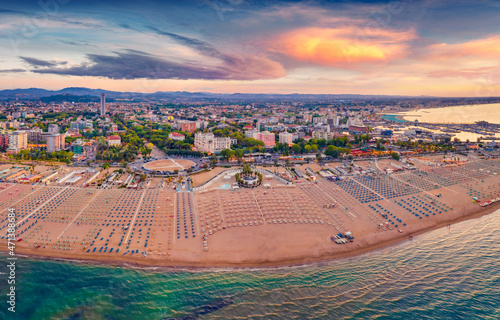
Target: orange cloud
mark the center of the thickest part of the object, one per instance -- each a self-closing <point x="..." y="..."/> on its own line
<point x="488" y="47"/>
<point x="345" y="46"/>
<point x="467" y="73"/>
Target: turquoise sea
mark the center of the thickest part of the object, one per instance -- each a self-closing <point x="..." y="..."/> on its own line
<point x="393" y="117"/>
<point x="444" y="274"/>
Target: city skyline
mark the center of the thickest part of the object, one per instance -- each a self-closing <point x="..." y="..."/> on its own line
<point x="438" y="48"/>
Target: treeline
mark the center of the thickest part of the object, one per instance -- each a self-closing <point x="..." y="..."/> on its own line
<point x="117" y="154"/>
<point x="50" y="116"/>
<point x="334" y="147"/>
<point x="131" y="146"/>
<point x="177" y="152"/>
<point x="71" y="98"/>
<point x="158" y="135"/>
<point x="32" y="154"/>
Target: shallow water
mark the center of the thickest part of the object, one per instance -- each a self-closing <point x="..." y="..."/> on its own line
<point x="456" y="114"/>
<point x="444" y="274"/>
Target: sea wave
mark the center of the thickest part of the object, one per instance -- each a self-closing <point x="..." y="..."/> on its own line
<point x="448" y="273"/>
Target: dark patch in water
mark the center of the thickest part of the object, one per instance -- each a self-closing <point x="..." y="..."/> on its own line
<point x="82" y="313"/>
<point x="210" y="307"/>
<point x="77" y="315"/>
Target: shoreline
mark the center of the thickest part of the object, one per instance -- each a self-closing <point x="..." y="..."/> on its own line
<point x="296" y="262"/>
<point x="397" y="116"/>
<point x="400" y="115"/>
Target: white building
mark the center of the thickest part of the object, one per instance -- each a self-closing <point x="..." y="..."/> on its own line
<point x="13" y="124"/>
<point x="201" y="124"/>
<point x="285" y="138"/>
<point x="319" y="134"/>
<point x="207" y="142"/>
<point x="53" y="128"/>
<point x="177" y="136"/>
<point x="337" y="121"/>
<point x="410" y="133"/>
<point x="319" y="120"/>
<point x="251" y="133"/>
<point x="354" y="121"/>
<point x="81" y="124"/>
<point x="113" y="140"/>
<point x="55" y="142"/>
<point x="18" y="140"/>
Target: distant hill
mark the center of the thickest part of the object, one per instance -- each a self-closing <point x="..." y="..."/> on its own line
<point x="71" y="98"/>
<point x="67" y="94"/>
<point x="35" y="93"/>
<point x="81" y="94"/>
<point x="24" y="93"/>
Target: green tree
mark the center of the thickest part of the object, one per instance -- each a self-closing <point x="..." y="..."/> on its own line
<point x="101" y="142"/>
<point x="238" y="154"/>
<point x="395" y="156"/>
<point x="296" y="148"/>
<point x="226" y="154"/>
<point x="332" y="151"/>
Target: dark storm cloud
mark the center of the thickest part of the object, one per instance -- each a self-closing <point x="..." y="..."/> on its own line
<point x="201" y="46"/>
<point x="12" y="70"/>
<point x="8" y="11"/>
<point x="78" y="43"/>
<point x="126" y="26"/>
<point x="136" y="65"/>
<point x="137" y="52"/>
<point x="38" y="62"/>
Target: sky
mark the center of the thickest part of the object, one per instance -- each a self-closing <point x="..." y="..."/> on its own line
<point x="409" y="47"/>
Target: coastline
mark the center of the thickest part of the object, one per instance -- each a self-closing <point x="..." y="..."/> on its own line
<point x="395" y="117"/>
<point x="459" y="109"/>
<point x="201" y="265"/>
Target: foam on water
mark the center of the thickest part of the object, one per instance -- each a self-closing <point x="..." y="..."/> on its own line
<point x="444" y="274"/>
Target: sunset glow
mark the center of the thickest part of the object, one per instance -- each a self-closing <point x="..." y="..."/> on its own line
<point x="366" y="47"/>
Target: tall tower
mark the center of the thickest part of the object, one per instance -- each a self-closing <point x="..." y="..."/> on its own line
<point x="103" y="104"/>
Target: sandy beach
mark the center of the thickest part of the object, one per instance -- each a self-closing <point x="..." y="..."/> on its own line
<point x="217" y="227"/>
<point x="307" y="259"/>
